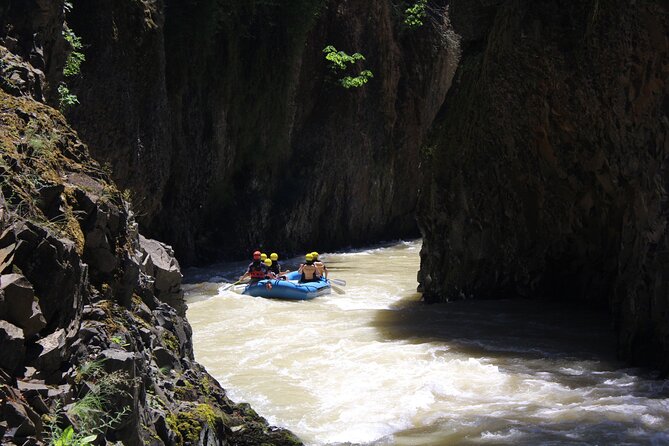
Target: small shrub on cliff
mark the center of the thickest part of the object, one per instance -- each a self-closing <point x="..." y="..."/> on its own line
<point x="72" y="65"/>
<point x="76" y="57"/>
<point x="357" y="81"/>
<point x="94" y="413"/>
<point x="415" y="14"/>
<point x="65" y="98"/>
<point x="340" y="61"/>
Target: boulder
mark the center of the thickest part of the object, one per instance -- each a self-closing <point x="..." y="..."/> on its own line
<point x="35" y="393"/>
<point x="119" y="360"/>
<point x="165" y="359"/>
<point x="19" y="306"/>
<point x="35" y="322"/>
<point x="159" y="262"/>
<point x="51" y="356"/>
<point x="20" y="417"/>
<point x="12" y="345"/>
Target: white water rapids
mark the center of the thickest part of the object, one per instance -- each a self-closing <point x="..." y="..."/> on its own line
<point x="376" y="366"/>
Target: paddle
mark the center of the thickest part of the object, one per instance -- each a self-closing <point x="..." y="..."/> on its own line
<point x="338" y="281"/>
<point x="230" y="285"/>
<point x="336" y="288"/>
<point x="335" y="282"/>
<point x="239" y="289"/>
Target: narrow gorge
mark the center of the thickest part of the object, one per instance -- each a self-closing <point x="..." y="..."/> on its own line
<point x="524" y="141"/>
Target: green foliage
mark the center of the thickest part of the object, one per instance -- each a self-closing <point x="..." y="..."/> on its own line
<point x="119" y="341"/>
<point x="357" y="81"/>
<point x="414" y="15"/>
<point x="340" y="61"/>
<point x="68" y="437"/>
<point x="76" y="57"/>
<point x="72" y="64"/>
<point x="89" y="369"/>
<point x="65" y="98"/>
<point x="93" y="413"/>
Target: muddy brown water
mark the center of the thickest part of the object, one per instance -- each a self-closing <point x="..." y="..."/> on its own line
<point x="375" y="366"/>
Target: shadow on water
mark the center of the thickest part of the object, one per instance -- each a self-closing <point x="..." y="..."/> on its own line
<point x="504" y="328"/>
<point x="562" y="343"/>
<point x="539" y="341"/>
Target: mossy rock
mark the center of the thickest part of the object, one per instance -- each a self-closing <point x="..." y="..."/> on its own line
<point x="188" y="424"/>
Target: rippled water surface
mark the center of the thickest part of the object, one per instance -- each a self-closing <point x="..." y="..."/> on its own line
<point x="376" y="366"/>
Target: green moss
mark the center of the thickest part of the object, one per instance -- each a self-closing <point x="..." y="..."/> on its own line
<point x="205" y="385"/>
<point x="207" y="413"/>
<point x="37" y="152"/>
<point x="188" y="424"/>
<point x="170" y="341"/>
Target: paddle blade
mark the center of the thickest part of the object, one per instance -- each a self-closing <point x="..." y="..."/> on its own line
<point x="337" y="289"/>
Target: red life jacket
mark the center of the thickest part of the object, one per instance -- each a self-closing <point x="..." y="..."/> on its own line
<point x="257" y="270"/>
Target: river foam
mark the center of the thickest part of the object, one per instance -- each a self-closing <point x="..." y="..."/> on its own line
<point x="375" y="366"/>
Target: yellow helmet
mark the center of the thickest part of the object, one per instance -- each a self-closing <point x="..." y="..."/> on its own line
<point x="314" y="255"/>
<point x="274" y="256"/>
<point x="309" y="257"/>
<point x="263" y="256"/>
<point x="268" y="262"/>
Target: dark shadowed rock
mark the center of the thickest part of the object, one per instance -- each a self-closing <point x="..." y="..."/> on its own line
<point x="19" y="303"/>
<point x="52" y="354"/>
<point x="119" y="360"/>
<point x="12" y="346"/>
<point x="21" y="418"/>
<point x="548" y="164"/>
<point x="165" y="358"/>
<point x="36" y="322"/>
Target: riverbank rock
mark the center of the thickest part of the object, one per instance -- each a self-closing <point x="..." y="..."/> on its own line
<point x="13" y="347"/>
<point x="18" y="304"/>
<point x="547" y="166"/>
<point x="158" y="261"/>
<point x="84" y="316"/>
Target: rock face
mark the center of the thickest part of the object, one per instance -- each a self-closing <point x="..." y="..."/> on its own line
<point x="547" y="173"/>
<point x="223" y="120"/>
<point x="89" y="309"/>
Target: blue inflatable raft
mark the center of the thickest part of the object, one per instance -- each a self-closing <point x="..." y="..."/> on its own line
<point x="289" y="289"/>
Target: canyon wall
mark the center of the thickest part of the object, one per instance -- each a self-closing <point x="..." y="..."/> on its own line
<point x="225" y="122"/>
<point x="95" y="347"/>
<point x="545" y="174"/>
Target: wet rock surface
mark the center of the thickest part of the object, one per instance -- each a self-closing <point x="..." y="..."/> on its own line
<point x="547" y="175"/>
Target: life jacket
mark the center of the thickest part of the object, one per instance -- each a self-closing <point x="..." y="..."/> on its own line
<point x="257" y="270"/>
<point x="275" y="268"/>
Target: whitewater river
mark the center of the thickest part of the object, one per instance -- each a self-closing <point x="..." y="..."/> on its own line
<point x="375" y="366"/>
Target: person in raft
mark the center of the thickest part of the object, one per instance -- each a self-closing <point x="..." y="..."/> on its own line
<point x="256" y="270"/>
<point x="308" y="270"/>
<point x="322" y="269"/>
<point x="276" y="267"/>
<point x="269" y="274"/>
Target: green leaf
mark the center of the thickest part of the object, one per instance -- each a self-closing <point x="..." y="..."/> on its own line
<point x="67" y="435"/>
<point x="88" y="440"/>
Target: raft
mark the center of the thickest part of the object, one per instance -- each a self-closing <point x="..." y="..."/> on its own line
<point x="289" y="289"/>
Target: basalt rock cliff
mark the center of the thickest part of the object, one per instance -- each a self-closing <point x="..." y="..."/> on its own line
<point x="546" y="173"/>
<point x="94" y="344"/>
<point x="224" y="120"/>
